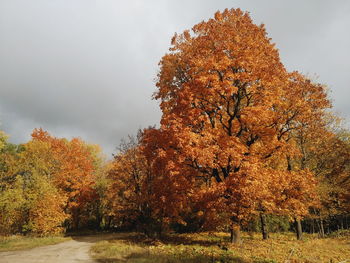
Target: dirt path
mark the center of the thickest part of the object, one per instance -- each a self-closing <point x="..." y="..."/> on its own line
<point x="76" y="250"/>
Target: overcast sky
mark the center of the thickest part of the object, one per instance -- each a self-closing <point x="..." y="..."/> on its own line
<point x="81" y="68"/>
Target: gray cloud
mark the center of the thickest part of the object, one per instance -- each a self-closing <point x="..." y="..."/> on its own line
<point x="87" y="68"/>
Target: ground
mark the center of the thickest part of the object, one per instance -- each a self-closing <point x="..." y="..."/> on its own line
<point x="214" y="247"/>
<point x="187" y="248"/>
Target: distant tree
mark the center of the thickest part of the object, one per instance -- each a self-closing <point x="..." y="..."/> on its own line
<point x="329" y="158"/>
<point x="3" y="139"/>
<point x="74" y="175"/>
<point x="29" y="202"/>
<point x="100" y="205"/>
<point x="144" y="198"/>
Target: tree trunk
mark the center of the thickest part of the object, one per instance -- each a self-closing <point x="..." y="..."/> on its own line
<point x="264" y="230"/>
<point x="160" y="230"/>
<point x="298" y="228"/>
<point x="346" y="221"/>
<point x="75" y="219"/>
<point x="235" y="232"/>
<point x="109" y="221"/>
<point x="342" y="222"/>
<point x="99" y="218"/>
<point x="321" y="228"/>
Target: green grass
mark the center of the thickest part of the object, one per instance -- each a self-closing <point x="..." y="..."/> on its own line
<point x="213" y="247"/>
<point x="21" y="242"/>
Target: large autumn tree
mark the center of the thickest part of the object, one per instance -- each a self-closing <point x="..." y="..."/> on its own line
<point x="229" y="108"/>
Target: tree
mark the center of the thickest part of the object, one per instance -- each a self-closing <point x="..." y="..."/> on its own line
<point x="143" y="187"/>
<point x="11" y="189"/>
<point x="168" y="185"/>
<point x="328" y="156"/>
<point x="73" y="175"/>
<point x="29" y="202"/>
<point x="130" y="178"/>
<point x="229" y="107"/>
<point x="12" y="203"/>
<point x="100" y="205"/>
<point x="48" y="182"/>
<point x="3" y="139"/>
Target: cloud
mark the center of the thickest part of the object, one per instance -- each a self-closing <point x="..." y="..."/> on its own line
<point x="87" y="68"/>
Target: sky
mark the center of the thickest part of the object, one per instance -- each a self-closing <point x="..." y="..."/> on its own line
<point x="83" y="68"/>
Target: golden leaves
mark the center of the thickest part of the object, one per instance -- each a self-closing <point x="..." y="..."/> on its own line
<point x="72" y="169"/>
<point x="231" y="111"/>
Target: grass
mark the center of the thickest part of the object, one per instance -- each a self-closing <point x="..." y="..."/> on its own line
<point x="20" y="242"/>
<point x="214" y="247"/>
<point x="123" y="251"/>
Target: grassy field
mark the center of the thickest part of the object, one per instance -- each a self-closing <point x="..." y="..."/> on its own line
<point x="21" y="242"/>
<point x="213" y="247"/>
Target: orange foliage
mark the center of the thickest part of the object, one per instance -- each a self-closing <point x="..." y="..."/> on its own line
<point x="74" y="173"/>
<point x="230" y="113"/>
<point x="142" y="188"/>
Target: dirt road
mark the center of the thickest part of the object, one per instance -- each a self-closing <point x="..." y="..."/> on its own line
<point x="76" y="250"/>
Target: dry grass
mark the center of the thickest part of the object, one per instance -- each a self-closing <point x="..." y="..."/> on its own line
<point x="20" y="242"/>
<point x="281" y="248"/>
<point x="213" y="247"/>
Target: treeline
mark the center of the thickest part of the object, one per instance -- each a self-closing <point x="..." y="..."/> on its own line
<point x="51" y="185"/>
<point x="154" y="194"/>
<point x="48" y="185"/>
<point x="243" y="144"/>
